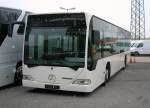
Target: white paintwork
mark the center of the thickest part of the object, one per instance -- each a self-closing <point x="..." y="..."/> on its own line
<point x="141" y="50"/>
<point x="10" y="54"/>
<point x="39" y="74"/>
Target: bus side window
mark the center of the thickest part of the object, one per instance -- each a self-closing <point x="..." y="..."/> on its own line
<point x="3" y="32"/>
<point x="95" y="40"/>
<point x="95" y="49"/>
<point x="98" y="43"/>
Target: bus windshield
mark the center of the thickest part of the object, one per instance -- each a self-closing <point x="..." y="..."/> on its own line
<point x="55" y="40"/>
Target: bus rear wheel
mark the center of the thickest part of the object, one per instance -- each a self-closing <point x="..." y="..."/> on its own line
<point x="18" y="75"/>
<point x="125" y="62"/>
<point x="107" y="75"/>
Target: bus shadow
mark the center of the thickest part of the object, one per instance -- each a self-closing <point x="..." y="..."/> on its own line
<point x="8" y="87"/>
<point x="58" y="92"/>
<point x="117" y="74"/>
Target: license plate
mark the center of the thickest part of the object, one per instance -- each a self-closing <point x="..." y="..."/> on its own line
<point x="52" y="87"/>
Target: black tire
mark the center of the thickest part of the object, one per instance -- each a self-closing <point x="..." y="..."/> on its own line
<point x="125" y="62"/>
<point x="18" y="75"/>
<point x="107" y="75"/>
<point x="137" y="54"/>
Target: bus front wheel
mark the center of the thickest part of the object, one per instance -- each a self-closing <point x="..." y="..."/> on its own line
<point x="18" y="75"/>
<point x="107" y="75"/>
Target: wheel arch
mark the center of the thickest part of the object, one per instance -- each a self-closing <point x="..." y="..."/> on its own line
<point x="19" y="63"/>
<point x="108" y="66"/>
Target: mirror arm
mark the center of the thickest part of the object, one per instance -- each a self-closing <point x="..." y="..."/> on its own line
<point x="11" y="26"/>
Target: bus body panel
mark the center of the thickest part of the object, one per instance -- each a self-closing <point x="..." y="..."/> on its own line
<point x="65" y="83"/>
<point x="63" y="75"/>
<point x="10" y="51"/>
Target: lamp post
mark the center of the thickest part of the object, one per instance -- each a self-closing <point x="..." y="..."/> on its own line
<point x="67" y="9"/>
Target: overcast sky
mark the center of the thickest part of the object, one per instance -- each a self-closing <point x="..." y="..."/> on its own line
<point x="115" y="11"/>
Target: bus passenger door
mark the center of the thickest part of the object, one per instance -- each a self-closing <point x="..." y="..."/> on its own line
<point x="95" y="55"/>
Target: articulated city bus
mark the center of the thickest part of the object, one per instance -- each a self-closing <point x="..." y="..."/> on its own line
<point x="10" y="46"/>
<point x="71" y="51"/>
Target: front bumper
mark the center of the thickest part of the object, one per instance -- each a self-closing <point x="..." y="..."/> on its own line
<point x="64" y="87"/>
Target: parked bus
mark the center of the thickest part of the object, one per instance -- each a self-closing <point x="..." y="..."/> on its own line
<point x="10" y="46"/>
<point x="71" y="51"/>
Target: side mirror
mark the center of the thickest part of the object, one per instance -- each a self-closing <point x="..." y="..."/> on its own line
<point x="11" y="27"/>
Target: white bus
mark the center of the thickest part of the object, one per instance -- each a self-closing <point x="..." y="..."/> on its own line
<point x="71" y="51"/>
<point x="10" y="46"/>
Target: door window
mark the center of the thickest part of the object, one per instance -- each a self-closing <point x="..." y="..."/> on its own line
<point x="140" y="45"/>
<point x="3" y="32"/>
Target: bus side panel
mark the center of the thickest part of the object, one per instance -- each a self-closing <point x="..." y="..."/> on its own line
<point x="116" y="63"/>
<point x="99" y="73"/>
<point x="6" y="74"/>
<point x="8" y="58"/>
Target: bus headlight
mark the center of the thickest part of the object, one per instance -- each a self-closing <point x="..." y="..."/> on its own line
<point x="82" y="81"/>
<point x="28" y="77"/>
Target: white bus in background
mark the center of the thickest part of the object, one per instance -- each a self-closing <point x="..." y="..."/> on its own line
<point x="10" y="46"/>
<point x="140" y="47"/>
<point x="66" y="51"/>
